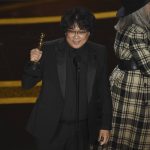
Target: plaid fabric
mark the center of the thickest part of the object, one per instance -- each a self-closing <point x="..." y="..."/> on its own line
<point x="131" y="93"/>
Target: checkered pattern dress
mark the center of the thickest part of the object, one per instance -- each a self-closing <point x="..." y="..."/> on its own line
<point x="131" y="92"/>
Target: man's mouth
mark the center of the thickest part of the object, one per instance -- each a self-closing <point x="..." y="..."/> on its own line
<point x="76" y="42"/>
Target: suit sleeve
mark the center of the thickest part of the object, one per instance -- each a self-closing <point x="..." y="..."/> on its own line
<point x="32" y="76"/>
<point x="105" y="101"/>
<point x="140" y="49"/>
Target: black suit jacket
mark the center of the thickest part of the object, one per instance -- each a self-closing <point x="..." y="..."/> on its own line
<point x="46" y="113"/>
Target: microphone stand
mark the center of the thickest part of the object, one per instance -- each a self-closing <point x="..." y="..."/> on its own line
<point x="77" y="60"/>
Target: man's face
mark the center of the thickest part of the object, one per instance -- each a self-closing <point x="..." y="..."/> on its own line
<point x="76" y="37"/>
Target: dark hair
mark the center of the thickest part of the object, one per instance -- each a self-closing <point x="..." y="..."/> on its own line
<point x="80" y="16"/>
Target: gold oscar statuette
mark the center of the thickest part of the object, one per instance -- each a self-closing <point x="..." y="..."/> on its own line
<point x="39" y="47"/>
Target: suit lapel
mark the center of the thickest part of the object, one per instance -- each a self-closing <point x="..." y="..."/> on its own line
<point x="61" y="66"/>
<point x="91" y="72"/>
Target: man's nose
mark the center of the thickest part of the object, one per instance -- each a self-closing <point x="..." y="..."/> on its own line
<point x="76" y="34"/>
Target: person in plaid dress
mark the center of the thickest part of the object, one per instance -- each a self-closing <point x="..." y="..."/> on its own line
<point x="130" y="80"/>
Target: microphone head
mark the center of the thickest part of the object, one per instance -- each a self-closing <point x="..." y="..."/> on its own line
<point x="77" y="60"/>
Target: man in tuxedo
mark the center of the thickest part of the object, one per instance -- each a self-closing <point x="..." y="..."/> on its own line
<point x="73" y="109"/>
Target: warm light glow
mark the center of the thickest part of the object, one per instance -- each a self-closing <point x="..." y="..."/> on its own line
<point x="50" y="19"/>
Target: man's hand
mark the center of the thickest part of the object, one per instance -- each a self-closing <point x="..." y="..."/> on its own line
<point x="103" y="136"/>
<point x="35" y="55"/>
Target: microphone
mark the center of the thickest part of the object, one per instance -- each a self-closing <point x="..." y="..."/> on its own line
<point x="77" y="60"/>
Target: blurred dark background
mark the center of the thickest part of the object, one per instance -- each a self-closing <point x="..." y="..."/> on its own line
<point x="15" y="42"/>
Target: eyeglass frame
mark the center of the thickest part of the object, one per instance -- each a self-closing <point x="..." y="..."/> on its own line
<point x="79" y="32"/>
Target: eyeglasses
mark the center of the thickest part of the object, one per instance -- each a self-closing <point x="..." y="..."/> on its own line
<point x="79" y="32"/>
